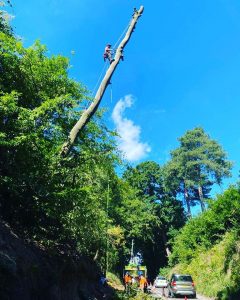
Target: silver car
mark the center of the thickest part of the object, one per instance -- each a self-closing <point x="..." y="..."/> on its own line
<point x="160" y="282"/>
<point x="181" y="284"/>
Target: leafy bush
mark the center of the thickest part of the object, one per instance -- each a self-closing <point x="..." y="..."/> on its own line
<point x="208" y="247"/>
<point x="205" y="230"/>
<point x="216" y="271"/>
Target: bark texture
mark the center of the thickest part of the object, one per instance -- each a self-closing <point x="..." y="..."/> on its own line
<point x="187" y="200"/>
<point x="168" y="252"/>
<point x="200" y="193"/>
<point x="189" y="213"/>
<point x="89" y="112"/>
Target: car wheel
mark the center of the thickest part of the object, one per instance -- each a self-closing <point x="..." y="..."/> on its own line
<point x="194" y="296"/>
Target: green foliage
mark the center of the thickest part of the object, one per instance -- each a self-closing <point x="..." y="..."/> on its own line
<point x="207" y="229"/>
<point x="195" y="166"/>
<point x="148" y="181"/>
<point x="55" y="200"/>
<point x="207" y="247"/>
<point x="75" y="203"/>
<point x="165" y="271"/>
<point x="162" y="212"/>
<point x="216" y="271"/>
<point x="134" y="295"/>
<point x="5" y="18"/>
<point x="114" y="281"/>
<point x="147" y="178"/>
<point x="136" y="215"/>
<point x="204" y="157"/>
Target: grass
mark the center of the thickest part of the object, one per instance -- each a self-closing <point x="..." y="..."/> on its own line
<point x="133" y="294"/>
<point x="115" y="282"/>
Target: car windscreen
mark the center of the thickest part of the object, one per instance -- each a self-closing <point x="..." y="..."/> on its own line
<point x="183" y="278"/>
<point x="161" y="278"/>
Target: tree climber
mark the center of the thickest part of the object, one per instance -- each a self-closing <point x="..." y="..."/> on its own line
<point x="108" y="53"/>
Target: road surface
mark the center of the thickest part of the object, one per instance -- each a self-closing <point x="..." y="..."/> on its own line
<point x="159" y="293"/>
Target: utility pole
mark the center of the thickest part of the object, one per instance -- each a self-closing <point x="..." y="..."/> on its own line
<point x="132" y="253"/>
<point x="89" y="112"/>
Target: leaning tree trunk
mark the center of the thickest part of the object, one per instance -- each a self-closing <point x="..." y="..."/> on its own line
<point x="89" y="112"/>
<point x="201" y="199"/>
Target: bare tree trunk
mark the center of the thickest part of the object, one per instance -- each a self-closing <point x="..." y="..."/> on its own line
<point x="89" y="112"/>
<point x="168" y="252"/>
<point x="96" y="255"/>
<point x="186" y="196"/>
<point x="201" y="199"/>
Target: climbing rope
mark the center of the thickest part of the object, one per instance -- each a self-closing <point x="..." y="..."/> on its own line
<point x="99" y="78"/>
<point x="124" y="31"/>
<point x="96" y="85"/>
<point x="111" y="93"/>
<point x="105" y="65"/>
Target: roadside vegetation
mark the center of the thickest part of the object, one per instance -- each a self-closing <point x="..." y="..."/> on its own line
<point x="139" y="296"/>
<point x="208" y="247"/>
<point x="79" y="206"/>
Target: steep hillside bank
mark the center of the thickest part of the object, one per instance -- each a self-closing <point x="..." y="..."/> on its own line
<point x="29" y="272"/>
<point x="208" y="247"/>
<point x="216" y="272"/>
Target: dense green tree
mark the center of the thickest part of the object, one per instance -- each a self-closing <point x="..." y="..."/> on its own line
<point x="53" y="199"/>
<point x="5" y="18"/>
<point x="77" y="202"/>
<point x="195" y="166"/>
<point x="205" y="230"/>
<point x="148" y="180"/>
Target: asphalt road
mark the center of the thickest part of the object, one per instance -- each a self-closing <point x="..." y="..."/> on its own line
<point x="160" y="293"/>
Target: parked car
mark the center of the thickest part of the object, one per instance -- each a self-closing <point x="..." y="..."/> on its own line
<point x="160" y="282"/>
<point x="181" y="284"/>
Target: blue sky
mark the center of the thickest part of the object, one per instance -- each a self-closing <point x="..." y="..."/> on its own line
<point x="181" y="68"/>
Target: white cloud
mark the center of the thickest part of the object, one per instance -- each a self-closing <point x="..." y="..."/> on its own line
<point x="129" y="141"/>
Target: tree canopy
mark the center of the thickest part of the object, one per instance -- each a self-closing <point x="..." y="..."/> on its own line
<point x="196" y="165"/>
